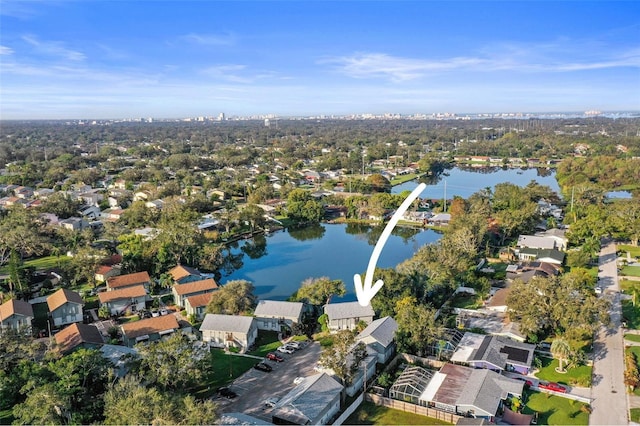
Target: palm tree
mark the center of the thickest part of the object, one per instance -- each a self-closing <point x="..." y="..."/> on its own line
<point x="560" y="349"/>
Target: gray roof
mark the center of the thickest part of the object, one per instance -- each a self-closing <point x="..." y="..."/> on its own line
<point x="554" y="254"/>
<point x="485" y="389"/>
<point x="346" y="310"/>
<point x="117" y="355"/>
<point x="228" y="323"/>
<point x="534" y="241"/>
<point x="383" y="330"/>
<point x="278" y="309"/>
<point x="304" y="403"/>
<point x="241" y="419"/>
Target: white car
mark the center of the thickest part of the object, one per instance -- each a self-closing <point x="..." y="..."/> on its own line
<point x="598" y="290"/>
<point x="294" y="345"/>
<point x="298" y="380"/>
<point x="286" y="349"/>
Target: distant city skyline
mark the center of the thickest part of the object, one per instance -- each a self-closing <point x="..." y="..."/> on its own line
<point x="164" y="59"/>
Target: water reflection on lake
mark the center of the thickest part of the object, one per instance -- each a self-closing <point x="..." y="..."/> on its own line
<point x="465" y="182"/>
<point x="337" y="251"/>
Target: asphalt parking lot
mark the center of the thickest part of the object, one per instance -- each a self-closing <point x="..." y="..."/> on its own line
<point x="254" y="386"/>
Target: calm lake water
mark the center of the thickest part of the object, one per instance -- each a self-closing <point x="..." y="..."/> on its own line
<point x="465" y="182"/>
<point x="277" y="264"/>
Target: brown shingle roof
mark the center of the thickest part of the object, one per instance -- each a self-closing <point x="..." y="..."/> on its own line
<point x="15" y="306"/>
<point x="149" y="326"/>
<point x="180" y="271"/>
<point x="199" y="300"/>
<point x="75" y="334"/>
<point x="128" y="280"/>
<point x="195" y="287"/>
<point x="123" y="293"/>
<point x="61" y="297"/>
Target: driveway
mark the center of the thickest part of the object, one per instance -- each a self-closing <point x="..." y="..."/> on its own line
<point x="608" y="393"/>
<point x="254" y="386"/>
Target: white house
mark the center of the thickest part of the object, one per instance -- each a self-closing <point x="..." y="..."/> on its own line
<point x="313" y="402"/>
<point x="16" y="314"/>
<point x="379" y="338"/>
<point x="229" y="331"/>
<point x="347" y="315"/>
<point x="125" y="299"/>
<point x="273" y="314"/>
<point x="65" y="307"/>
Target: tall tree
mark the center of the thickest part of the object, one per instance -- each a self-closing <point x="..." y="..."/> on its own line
<point x="234" y="298"/>
<point x="318" y="291"/>
<point x="560" y="349"/>
<point x="343" y="356"/>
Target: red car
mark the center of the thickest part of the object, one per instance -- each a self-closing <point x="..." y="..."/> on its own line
<point x="552" y="386"/>
<point x="274" y="357"/>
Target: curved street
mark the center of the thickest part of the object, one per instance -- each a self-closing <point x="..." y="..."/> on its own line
<point x="608" y="393"/>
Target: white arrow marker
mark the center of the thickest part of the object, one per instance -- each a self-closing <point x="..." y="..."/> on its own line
<point x="366" y="292"/>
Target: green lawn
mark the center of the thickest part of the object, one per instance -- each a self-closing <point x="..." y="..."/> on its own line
<point x="225" y="369"/>
<point x="632" y="271"/>
<point x="624" y="248"/>
<point x="632" y="337"/>
<point x="466" y="301"/>
<point x="631" y="314"/>
<point x="635" y="415"/>
<point x="41" y="263"/>
<point x="267" y="342"/>
<point x="627" y="285"/>
<point x="555" y="410"/>
<point x="575" y="376"/>
<point x="404" y="178"/>
<point x="370" y="414"/>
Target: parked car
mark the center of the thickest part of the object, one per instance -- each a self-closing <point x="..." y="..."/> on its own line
<point x="274" y="357"/>
<point x="552" y="386"/>
<point x="294" y="345"/>
<point x="598" y="290"/>
<point x="286" y="349"/>
<point x="525" y="380"/>
<point x="227" y="393"/>
<point x="263" y="367"/>
<point x="298" y="380"/>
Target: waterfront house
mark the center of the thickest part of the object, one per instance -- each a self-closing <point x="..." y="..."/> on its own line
<point x="65" y="307"/>
<point x="194" y="288"/>
<point x="275" y="314"/>
<point x="347" y="315"/>
<point x="16" y="314"/>
<point x="229" y="331"/>
<point x="125" y="299"/>
<point x="78" y="336"/>
<point x="182" y="274"/>
<point x="314" y="401"/>
<point x="148" y="330"/>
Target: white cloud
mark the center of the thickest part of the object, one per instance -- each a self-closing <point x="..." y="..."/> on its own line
<point x="53" y="48"/>
<point x="210" y="39"/>
<point x="5" y="50"/>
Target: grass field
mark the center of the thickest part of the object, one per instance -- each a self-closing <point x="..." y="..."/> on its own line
<point x="632" y="337"/>
<point x="267" y="342"/>
<point x="632" y="271"/>
<point x="635" y="415"/>
<point x="627" y="285"/>
<point x="370" y="414"/>
<point x="466" y="301"/>
<point x="555" y="410"/>
<point x="580" y="376"/>
<point x="404" y="178"/>
<point x="226" y="368"/>
<point x="43" y="263"/>
<point x="624" y="248"/>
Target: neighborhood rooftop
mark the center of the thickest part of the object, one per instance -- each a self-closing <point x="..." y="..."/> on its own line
<point x="306" y="401"/>
<point x="383" y="330"/>
<point x="150" y="326"/>
<point x="275" y="308"/>
<point x="128" y="280"/>
<point x="61" y="297"/>
<point x="123" y="293"/>
<point x="228" y="323"/>
<point x="75" y="334"/>
<point x="348" y="310"/>
<point x="15" y="306"/>
<point x="196" y="286"/>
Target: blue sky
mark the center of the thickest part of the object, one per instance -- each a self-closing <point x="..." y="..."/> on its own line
<point x="163" y="59"/>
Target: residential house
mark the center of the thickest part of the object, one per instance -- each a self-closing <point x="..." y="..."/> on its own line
<point x="65" y="307"/>
<point x="16" y="314"/>
<point x="495" y="353"/>
<point x="194" y="288"/>
<point x="543" y="255"/>
<point x="74" y="223"/>
<point x="43" y="193"/>
<point x="314" y="401"/>
<point x="129" y="280"/>
<point x="536" y="242"/>
<point x="229" y="331"/>
<point x="275" y="314"/>
<point x="154" y="204"/>
<point x="440" y="219"/>
<point x="469" y="392"/>
<point x="104" y="272"/>
<point x="558" y="235"/>
<point x="112" y="213"/>
<point x="91" y="198"/>
<point x="185" y="274"/>
<point x="125" y="299"/>
<point x="379" y="338"/>
<point x="148" y="330"/>
<point x="78" y="336"/>
<point x="119" y="356"/>
<point x="147" y="233"/>
<point x="498" y="300"/>
<point x="197" y="305"/>
<point x="90" y="212"/>
<point x="347" y="315"/>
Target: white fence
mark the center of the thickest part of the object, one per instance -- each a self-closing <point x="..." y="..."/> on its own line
<point x="349" y="411"/>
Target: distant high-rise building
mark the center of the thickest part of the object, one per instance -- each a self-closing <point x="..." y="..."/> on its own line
<point x="266" y="122"/>
<point x="221" y="117"/>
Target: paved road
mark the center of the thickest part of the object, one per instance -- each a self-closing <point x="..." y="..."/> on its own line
<point x="608" y="393"/>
